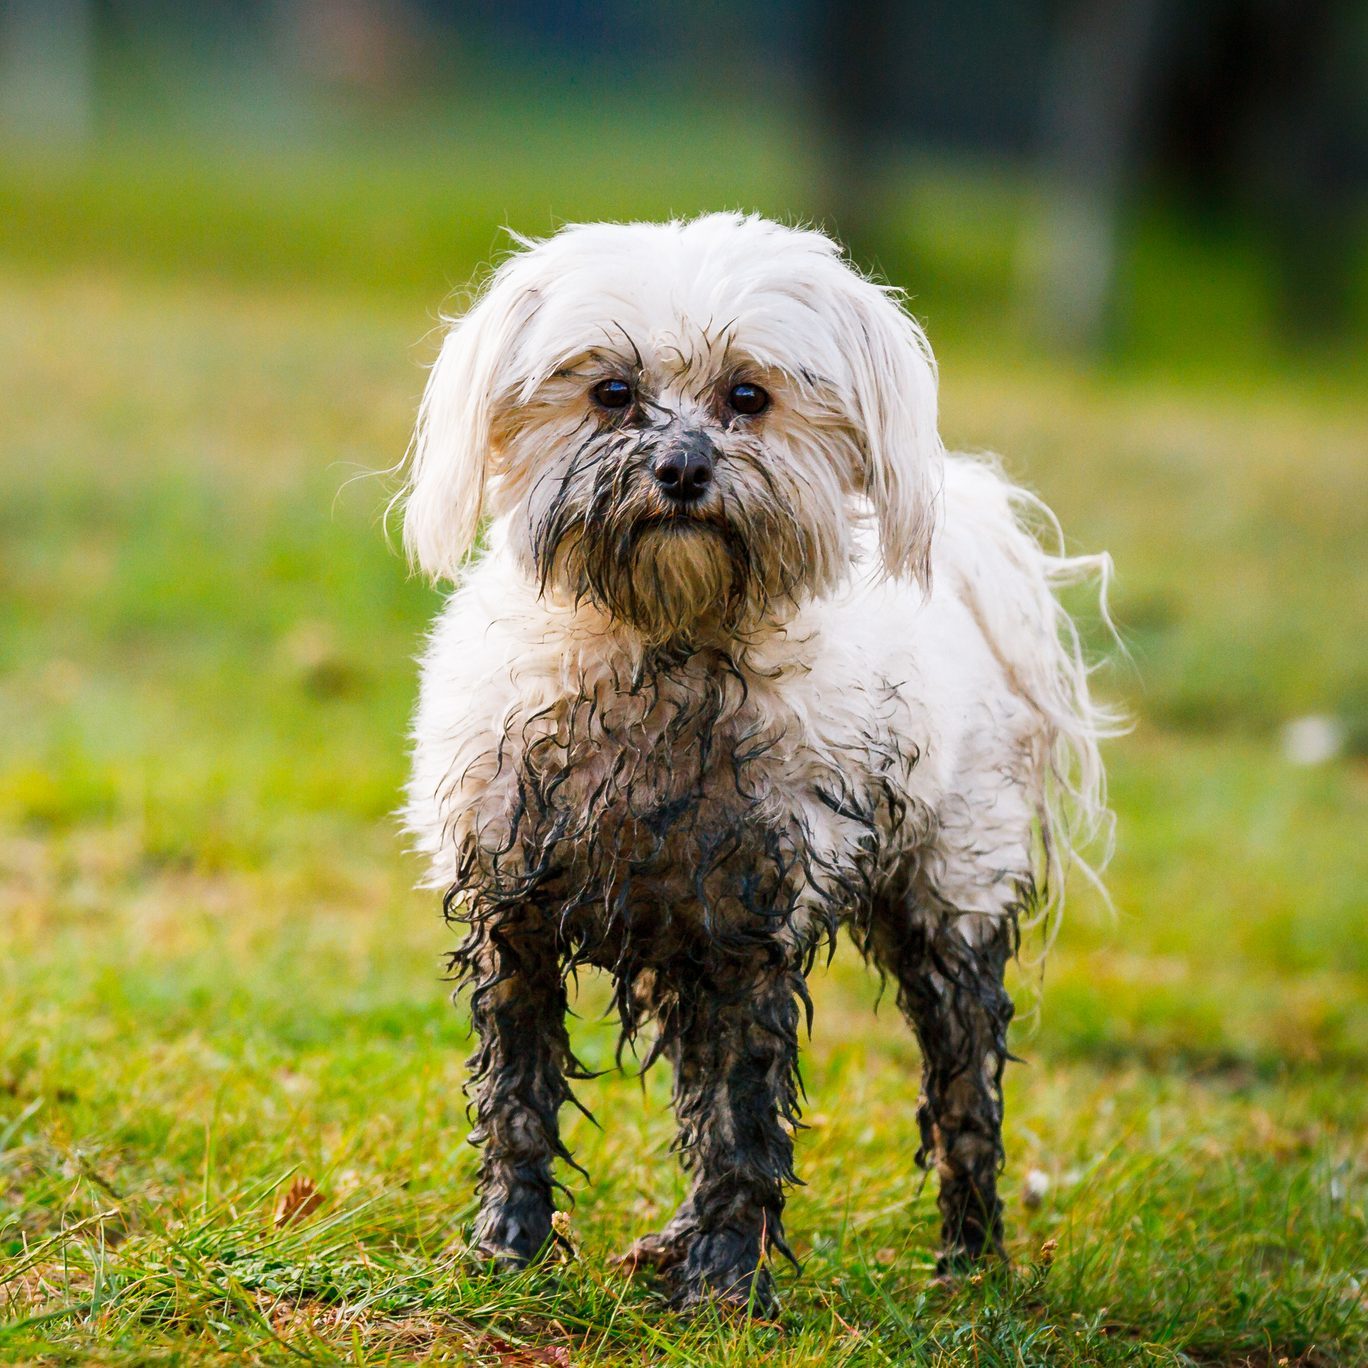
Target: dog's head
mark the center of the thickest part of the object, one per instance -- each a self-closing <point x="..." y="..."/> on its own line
<point x="684" y="423"/>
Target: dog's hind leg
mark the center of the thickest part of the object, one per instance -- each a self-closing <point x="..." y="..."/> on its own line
<point x="949" y="972"/>
<point x="734" y="1047"/>
<point x="517" y="1085"/>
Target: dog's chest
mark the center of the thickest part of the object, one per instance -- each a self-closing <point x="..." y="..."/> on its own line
<point x="683" y="800"/>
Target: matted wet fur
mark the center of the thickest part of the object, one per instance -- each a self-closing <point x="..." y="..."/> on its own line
<point x="746" y="658"/>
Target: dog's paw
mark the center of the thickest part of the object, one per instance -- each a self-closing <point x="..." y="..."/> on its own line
<point x="494" y="1257"/>
<point x="751" y="1295"/>
<point x="955" y="1269"/>
<point x="512" y="1235"/>
<point x="726" y="1271"/>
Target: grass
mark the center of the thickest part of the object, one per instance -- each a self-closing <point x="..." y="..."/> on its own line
<point x="215" y="979"/>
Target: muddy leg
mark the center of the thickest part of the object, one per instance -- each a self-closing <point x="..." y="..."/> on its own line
<point x="517" y="1085"/>
<point x="952" y="992"/>
<point x="734" y="1048"/>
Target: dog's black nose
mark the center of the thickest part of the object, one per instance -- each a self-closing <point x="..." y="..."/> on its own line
<point x="684" y="470"/>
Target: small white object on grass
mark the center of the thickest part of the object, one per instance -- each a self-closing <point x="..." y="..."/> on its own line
<point x="1035" y="1186"/>
<point x="1312" y="740"/>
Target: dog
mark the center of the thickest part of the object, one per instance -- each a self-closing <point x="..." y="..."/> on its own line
<point x="742" y="656"/>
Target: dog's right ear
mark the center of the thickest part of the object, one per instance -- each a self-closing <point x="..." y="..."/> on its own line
<point x="474" y="379"/>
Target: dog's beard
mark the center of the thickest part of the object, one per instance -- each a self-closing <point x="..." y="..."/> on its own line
<point x="669" y="579"/>
<point x="607" y="536"/>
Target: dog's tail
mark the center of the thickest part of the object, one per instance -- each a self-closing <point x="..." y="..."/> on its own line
<point x="1020" y="584"/>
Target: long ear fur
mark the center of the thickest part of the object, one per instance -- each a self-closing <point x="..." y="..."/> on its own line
<point x="453" y="443"/>
<point x="893" y="382"/>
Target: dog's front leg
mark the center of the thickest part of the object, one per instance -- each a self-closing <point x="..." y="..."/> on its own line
<point x="517" y="1085"/>
<point x="734" y="1048"/>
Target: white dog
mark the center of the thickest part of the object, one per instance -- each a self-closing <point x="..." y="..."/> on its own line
<point x="746" y="656"/>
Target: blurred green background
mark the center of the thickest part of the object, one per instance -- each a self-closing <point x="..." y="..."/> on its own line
<point x="1137" y="237"/>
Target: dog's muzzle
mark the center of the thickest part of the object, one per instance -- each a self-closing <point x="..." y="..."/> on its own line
<point x="683" y="468"/>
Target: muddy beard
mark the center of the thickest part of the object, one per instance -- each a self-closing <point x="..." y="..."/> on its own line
<point x="673" y="579"/>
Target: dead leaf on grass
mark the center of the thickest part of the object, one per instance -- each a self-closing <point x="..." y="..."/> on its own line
<point x="525" y="1355"/>
<point x="299" y="1200"/>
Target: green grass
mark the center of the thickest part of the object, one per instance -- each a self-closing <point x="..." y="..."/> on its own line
<point x="214" y="976"/>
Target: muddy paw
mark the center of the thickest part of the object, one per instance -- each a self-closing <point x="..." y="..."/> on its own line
<point x="485" y="1254"/>
<point x="751" y="1297"/>
<point x="733" y="1290"/>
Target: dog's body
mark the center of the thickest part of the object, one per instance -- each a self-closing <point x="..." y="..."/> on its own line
<point x="683" y="733"/>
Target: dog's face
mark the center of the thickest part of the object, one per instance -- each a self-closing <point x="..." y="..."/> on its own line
<point x="681" y="423"/>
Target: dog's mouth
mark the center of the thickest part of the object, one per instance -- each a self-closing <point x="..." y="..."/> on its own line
<point x="673" y="524"/>
<point x="678" y="521"/>
<point x="688" y="530"/>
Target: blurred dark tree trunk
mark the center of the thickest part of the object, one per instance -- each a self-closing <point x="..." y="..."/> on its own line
<point x="1254" y="106"/>
<point x="1097" y="98"/>
<point x="1290" y="147"/>
<point x="851" y="60"/>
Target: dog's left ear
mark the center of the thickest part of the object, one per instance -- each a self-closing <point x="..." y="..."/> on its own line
<point x="893" y="392"/>
<point x="474" y="378"/>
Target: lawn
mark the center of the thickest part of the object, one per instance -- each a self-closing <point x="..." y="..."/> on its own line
<point x="217" y="985"/>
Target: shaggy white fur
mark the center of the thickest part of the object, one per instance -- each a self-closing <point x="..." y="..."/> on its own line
<point x="919" y="605"/>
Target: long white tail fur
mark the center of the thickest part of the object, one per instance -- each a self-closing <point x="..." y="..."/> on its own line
<point x="1013" y="576"/>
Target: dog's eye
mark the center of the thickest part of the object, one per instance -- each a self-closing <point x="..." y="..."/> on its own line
<point x="612" y="394"/>
<point x="748" y="399"/>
